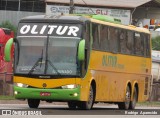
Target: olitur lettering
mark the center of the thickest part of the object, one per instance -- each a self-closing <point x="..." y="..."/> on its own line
<point x="59" y="30"/>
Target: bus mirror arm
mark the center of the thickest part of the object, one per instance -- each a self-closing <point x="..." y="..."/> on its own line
<point x="81" y="50"/>
<point x="7" y="50"/>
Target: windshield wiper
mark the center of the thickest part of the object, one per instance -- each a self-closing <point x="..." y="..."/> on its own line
<point x="37" y="63"/>
<point x="55" y="69"/>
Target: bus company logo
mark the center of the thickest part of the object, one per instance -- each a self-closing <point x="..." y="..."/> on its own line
<point x="20" y="112"/>
<point x="44" y="85"/>
<point x="6" y="112"/>
<point x="111" y="61"/>
<point x="58" y="30"/>
<point x="54" y="9"/>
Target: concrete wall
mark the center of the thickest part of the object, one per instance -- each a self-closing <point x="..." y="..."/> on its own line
<point x="15" y="16"/>
<point x="146" y="13"/>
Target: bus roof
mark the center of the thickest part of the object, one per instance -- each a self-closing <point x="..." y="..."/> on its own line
<point x="129" y="27"/>
<point x="82" y="18"/>
<point x="50" y="18"/>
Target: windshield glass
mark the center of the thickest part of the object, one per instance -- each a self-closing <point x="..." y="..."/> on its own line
<point x="47" y="49"/>
<point x="62" y="52"/>
<point x="31" y="50"/>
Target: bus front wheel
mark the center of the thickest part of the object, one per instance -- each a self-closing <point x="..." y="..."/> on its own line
<point x="126" y="103"/>
<point x="88" y="104"/>
<point x="33" y="103"/>
<point x="72" y="105"/>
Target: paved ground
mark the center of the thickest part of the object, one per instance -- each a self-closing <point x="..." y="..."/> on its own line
<point x="58" y="109"/>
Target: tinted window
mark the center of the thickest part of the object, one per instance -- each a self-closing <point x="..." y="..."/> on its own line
<point x="130" y="42"/>
<point x="139" y="44"/>
<point x="147" y="45"/>
<point x="95" y="33"/>
<point x="87" y="35"/>
<point x="104" y="42"/>
<point x="113" y="39"/>
<point x="123" y="41"/>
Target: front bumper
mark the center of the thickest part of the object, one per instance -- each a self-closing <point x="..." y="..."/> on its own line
<point x="55" y="94"/>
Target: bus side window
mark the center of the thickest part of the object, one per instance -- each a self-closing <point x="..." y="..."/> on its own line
<point x="104" y="45"/>
<point x="113" y="39"/>
<point x="147" y="45"/>
<point x="95" y="34"/>
<point x="86" y="35"/>
<point x="143" y="37"/>
<point x="87" y="46"/>
<point x="130" y="42"/>
<point x="123" y="42"/>
<point x="139" y="44"/>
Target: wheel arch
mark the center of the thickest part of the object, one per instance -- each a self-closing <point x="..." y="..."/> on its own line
<point x="128" y="84"/>
<point x="134" y="85"/>
<point x="137" y="88"/>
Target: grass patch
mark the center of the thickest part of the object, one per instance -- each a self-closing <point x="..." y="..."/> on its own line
<point x="7" y="97"/>
<point x="156" y="103"/>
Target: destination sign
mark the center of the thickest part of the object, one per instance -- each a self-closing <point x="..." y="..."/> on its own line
<point x="67" y="30"/>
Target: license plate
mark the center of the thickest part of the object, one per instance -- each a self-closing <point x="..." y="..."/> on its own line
<point x="45" y="94"/>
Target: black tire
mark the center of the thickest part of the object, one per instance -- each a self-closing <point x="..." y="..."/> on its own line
<point x="33" y="103"/>
<point x="72" y="105"/>
<point x="87" y="105"/>
<point x="126" y="103"/>
<point x="135" y="99"/>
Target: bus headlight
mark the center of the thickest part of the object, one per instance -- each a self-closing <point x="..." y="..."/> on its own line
<point x="21" y="85"/>
<point x="71" y="86"/>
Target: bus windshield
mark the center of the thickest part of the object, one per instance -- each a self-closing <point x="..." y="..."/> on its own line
<point x="62" y="53"/>
<point x="52" y="53"/>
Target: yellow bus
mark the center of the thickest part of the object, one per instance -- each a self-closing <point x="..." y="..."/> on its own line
<point x="81" y="60"/>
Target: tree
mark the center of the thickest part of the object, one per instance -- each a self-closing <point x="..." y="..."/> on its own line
<point x="7" y="24"/>
<point x="156" y="43"/>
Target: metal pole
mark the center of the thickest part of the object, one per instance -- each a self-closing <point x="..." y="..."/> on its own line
<point x="5" y="11"/>
<point x="18" y="13"/>
<point x="19" y="6"/>
<point x="71" y="10"/>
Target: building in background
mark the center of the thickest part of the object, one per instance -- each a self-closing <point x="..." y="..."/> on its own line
<point x="14" y="10"/>
<point x="129" y="11"/>
<point x="23" y="5"/>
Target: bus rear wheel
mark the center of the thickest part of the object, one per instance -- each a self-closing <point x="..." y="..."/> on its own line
<point x="87" y="105"/>
<point x="135" y="99"/>
<point x="126" y="103"/>
<point x="33" y="103"/>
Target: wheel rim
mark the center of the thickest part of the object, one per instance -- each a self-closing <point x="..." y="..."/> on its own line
<point x="90" y="101"/>
<point x="134" y="98"/>
<point x="128" y="97"/>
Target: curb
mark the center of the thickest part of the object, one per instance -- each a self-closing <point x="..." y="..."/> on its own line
<point x="13" y="102"/>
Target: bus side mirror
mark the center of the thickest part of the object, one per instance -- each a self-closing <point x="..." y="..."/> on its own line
<point x="81" y="50"/>
<point x="7" y="50"/>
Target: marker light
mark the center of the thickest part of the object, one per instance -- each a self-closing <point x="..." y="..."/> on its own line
<point x="15" y="92"/>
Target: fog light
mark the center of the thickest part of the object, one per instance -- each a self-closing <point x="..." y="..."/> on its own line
<point x="15" y="92"/>
<point x="75" y="94"/>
